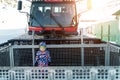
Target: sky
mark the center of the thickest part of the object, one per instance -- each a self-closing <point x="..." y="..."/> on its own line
<point x="102" y="10"/>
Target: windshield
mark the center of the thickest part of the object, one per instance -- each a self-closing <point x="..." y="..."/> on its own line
<point x="52" y="15"/>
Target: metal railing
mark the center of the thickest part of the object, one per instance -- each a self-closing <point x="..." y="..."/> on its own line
<point x="114" y="55"/>
<point x="60" y="73"/>
<point x="80" y="51"/>
<point x="109" y="53"/>
<point x="82" y="54"/>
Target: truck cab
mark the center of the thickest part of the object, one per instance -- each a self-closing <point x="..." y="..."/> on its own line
<point x="53" y="17"/>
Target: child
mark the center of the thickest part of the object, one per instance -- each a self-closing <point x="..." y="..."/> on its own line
<point x="42" y="56"/>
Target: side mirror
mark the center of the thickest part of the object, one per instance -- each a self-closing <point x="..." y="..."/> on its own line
<point x="19" y="5"/>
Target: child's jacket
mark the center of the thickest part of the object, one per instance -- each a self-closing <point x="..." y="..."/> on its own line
<point x="43" y="58"/>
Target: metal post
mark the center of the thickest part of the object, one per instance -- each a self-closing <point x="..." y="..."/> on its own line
<point x="108" y="33"/>
<point x="107" y="55"/>
<point x="82" y="49"/>
<point x="112" y="73"/>
<point x="27" y="73"/>
<point x="81" y="35"/>
<point x="11" y="74"/>
<point x="11" y="57"/>
<point x="51" y="74"/>
<point x="93" y="72"/>
<point x="101" y="32"/>
<point x="68" y="74"/>
<point x="33" y="51"/>
<point x="82" y="56"/>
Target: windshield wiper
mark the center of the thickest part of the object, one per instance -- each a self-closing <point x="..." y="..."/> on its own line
<point x="33" y="17"/>
<point x="37" y="21"/>
<point x="58" y="23"/>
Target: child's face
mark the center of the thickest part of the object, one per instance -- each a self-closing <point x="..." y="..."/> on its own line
<point x="42" y="48"/>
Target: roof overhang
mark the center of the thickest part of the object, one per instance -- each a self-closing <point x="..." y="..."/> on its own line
<point x="116" y="13"/>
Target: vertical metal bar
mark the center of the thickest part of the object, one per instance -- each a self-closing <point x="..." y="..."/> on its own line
<point x="27" y="73"/>
<point x="101" y="32"/>
<point x="82" y="49"/>
<point x="82" y="56"/>
<point x="11" y="57"/>
<point x="108" y="33"/>
<point x="69" y="75"/>
<point x="33" y="51"/>
<point x="93" y="72"/>
<point x="51" y="75"/>
<point x="107" y="55"/>
<point x="81" y="35"/>
<point x="12" y="75"/>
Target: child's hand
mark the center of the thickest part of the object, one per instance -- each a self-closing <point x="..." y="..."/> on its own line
<point x="36" y="58"/>
<point x="46" y="56"/>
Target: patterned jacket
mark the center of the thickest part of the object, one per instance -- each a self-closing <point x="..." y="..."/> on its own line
<point x="43" y="58"/>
